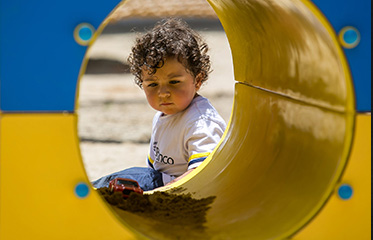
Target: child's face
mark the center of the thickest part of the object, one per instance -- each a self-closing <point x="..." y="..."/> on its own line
<point x="172" y="88"/>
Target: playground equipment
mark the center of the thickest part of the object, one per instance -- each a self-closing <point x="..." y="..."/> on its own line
<point x="294" y="162"/>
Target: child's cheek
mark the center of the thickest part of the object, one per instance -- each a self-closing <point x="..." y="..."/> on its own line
<point x="150" y="96"/>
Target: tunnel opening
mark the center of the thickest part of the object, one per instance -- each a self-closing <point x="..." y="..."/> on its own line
<point x="291" y="126"/>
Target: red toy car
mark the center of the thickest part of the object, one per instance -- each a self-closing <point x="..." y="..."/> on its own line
<point x="124" y="185"/>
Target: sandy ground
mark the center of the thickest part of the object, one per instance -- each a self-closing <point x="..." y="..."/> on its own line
<point x="114" y="117"/>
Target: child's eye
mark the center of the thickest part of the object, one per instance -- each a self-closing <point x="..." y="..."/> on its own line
<point x="152" y="85"/>
<point x="174" y="82"/>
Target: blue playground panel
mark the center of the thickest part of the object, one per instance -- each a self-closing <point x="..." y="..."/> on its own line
<point x="28" y="28"/>
<point x="51" y="86"/>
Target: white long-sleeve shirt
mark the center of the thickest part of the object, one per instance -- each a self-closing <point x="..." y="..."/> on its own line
<point x="182" y="141"/>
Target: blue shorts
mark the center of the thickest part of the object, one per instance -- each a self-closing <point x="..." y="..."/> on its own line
<point x="147" y="178"/>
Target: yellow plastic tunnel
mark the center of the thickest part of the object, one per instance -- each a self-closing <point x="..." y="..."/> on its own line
<point x="296" y="138"/>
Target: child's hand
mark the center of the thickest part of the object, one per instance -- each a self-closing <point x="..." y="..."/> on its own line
<point x="173" y="181"/>
<point x="180" y="177"/>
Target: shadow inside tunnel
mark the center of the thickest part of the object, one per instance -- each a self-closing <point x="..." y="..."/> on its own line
<point x="143" y="24"/>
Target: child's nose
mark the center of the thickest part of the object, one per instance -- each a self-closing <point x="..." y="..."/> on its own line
<point x="164" y="91"/>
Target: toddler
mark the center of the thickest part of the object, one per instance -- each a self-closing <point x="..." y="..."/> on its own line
<point x="170" y="63"/>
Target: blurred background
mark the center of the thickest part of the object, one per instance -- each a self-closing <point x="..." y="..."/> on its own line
<point x="115" y="119"/>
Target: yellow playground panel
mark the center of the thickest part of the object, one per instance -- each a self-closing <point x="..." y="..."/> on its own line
<point x="294" y="162"/>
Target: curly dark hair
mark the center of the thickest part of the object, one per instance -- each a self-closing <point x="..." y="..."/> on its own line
<point x="171" y="37"/>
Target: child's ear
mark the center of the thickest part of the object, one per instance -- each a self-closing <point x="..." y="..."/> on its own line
<point x="198" y="81"/>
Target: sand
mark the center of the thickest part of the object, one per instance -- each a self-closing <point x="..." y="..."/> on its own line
<point x="178" y="216"/>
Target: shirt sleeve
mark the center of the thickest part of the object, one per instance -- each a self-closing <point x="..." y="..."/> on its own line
<point x="201" y="139"/>
<point x="150" y="162"/>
